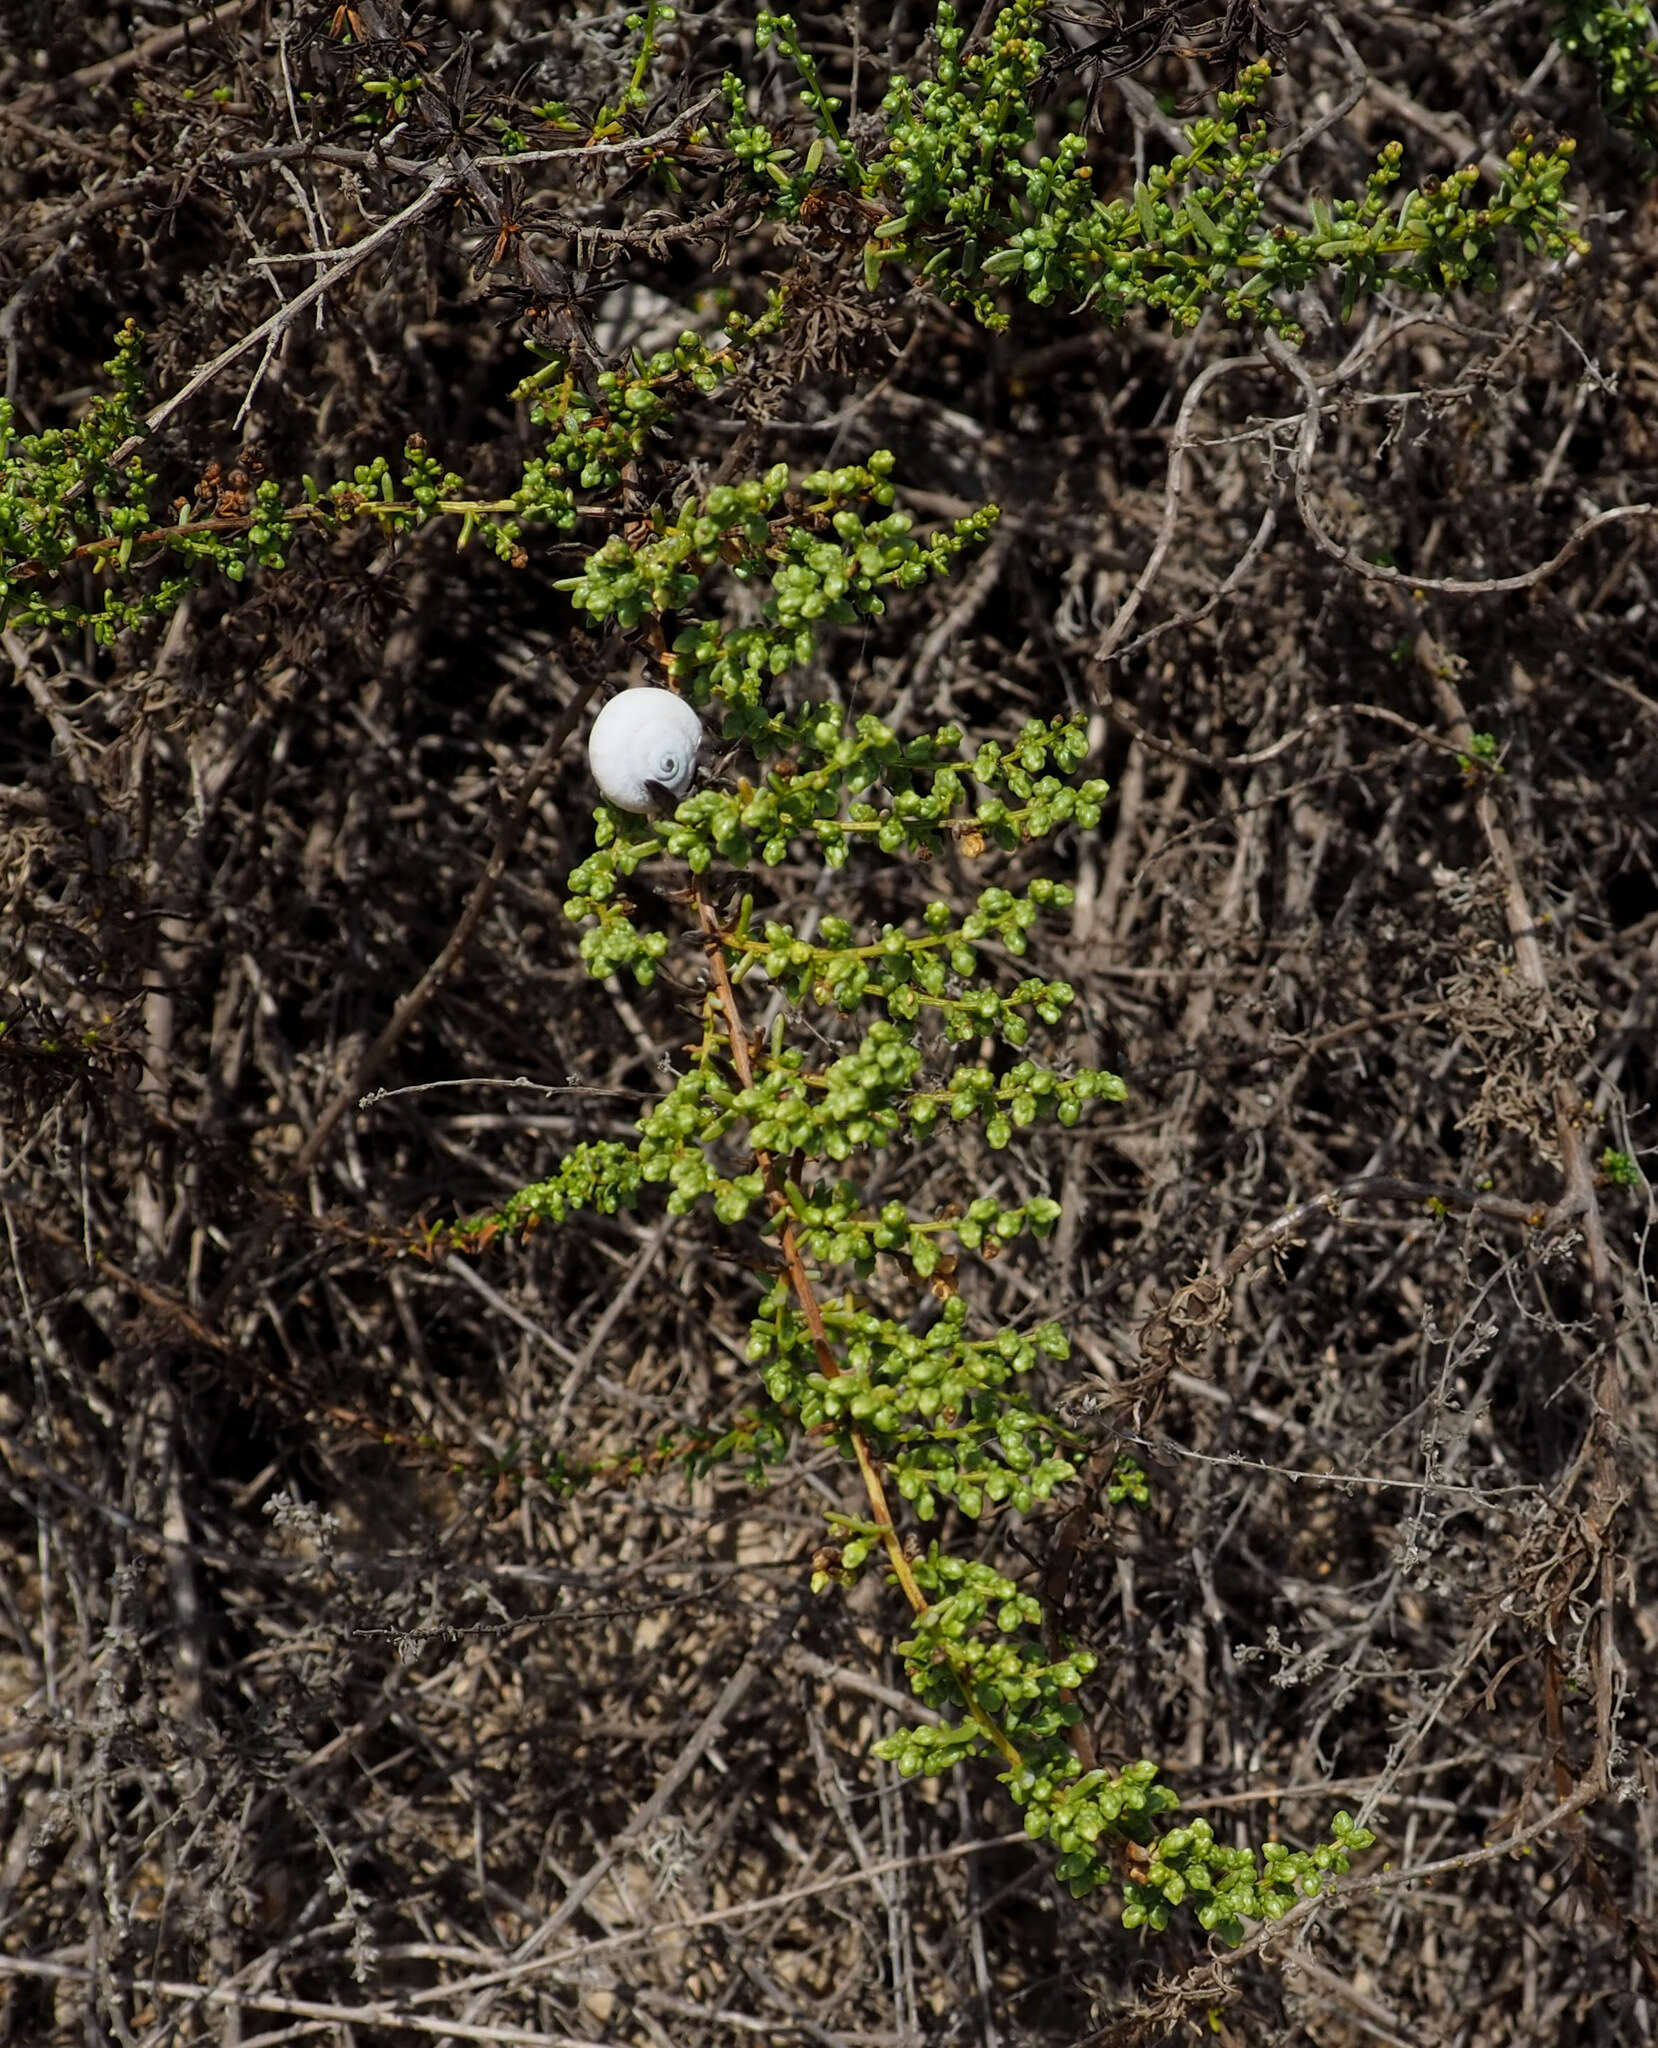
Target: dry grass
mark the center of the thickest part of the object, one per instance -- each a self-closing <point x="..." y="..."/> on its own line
<point x="323" y="1714"/>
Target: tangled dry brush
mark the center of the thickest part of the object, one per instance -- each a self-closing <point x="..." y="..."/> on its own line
<point x="326" y="1710"/>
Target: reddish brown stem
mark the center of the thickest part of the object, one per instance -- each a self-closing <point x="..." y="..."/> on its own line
<point x="805" y="1294"/>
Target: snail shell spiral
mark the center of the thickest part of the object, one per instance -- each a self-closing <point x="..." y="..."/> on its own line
<point x="643" y="749"/>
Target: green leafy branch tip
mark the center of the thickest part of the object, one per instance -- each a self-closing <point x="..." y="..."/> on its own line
<point x="1619" y="43"/>
<point x="963" y="200"/>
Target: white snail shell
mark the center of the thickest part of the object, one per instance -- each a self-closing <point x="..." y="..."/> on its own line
<point x="643" y="749"/>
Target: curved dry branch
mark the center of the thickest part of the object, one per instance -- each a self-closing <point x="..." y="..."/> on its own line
<point x="1301" y="459"/>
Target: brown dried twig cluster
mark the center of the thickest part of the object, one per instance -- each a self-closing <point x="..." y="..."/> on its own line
<point x="376" y="1657"/>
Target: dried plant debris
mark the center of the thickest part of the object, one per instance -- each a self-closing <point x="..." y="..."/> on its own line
<point x="407" y="1634"/>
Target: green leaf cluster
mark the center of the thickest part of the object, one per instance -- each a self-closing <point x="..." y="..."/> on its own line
<point x="1619" y="1168"/>
<point x="978" y="213"/>
<point x="956" y="193"/>
<point x="76" y="515"/>
<point x="1223" y="1886"/>
<point x="1619" y="43"/>
<point x="844" y="782"/>
<point x="825" y="561"/>
<point x="73" y="518"/>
